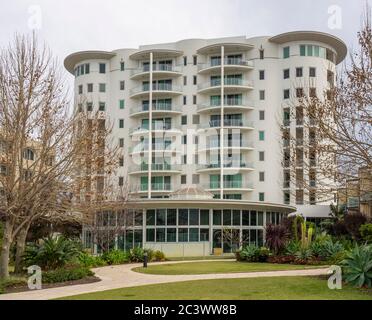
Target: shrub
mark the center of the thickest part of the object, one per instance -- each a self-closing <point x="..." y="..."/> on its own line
<point x="330" y="249"/>
<point x="353" y="222"/>
<point x="292" y="247"/>
<point x="159" y="256"/>
<point x="366" y="232"/>
<point x="358" y="266"/>
<point x="113" y="257"/>
<point x="276" y="237"/>
<point x="303" y="255"/>
<point x="250" y="253"/>
<point x="52" y="253"/>
<point x="263" y="254"/>
<point x="136" y="254"/>
<point x="11" y="282"/>
<point x="66" y="274"/>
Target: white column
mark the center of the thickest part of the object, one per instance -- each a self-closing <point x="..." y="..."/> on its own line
<point x="150" y="130"/>
<point x="222" y="119"/>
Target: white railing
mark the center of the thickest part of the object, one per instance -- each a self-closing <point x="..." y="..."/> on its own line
<point x="227" y="82"/>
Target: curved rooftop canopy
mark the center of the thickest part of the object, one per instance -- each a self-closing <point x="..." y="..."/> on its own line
<point x="157" y="54"/>
<point x="191" y="193"/>
<point x="326" y="38"/>
<point x="73" y="59"/>
<point x="228" y="47"/>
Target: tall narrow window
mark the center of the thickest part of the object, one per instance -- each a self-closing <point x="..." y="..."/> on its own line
<point x="195" y="60"/>
<point x="185" y="61"/>
<point x="286" y="74"/>
<point x="121" y="104"/>
<point x="262" y="74"/>
<point x="195" y="80"/>
<point x="262" y="115"/>
<point x="122" y="66"/>
<point x="102" y="68"/>
<point x="286" y="52"/>
<point x="262" y="54"/>
<point x="262" y="94"/>
<point x="121" y="123"/>
<point x="122" y="85"/>
<point x="261" y="135"/>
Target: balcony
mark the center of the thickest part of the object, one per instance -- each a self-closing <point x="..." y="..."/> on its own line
<point x="164" y="70"/>
<point x="156" y="148"/>
<point x="229" y="105"/>
<point x="156" y="127"/>
<point x="157" y="109"/>
<point x="155" y="168"/>
<point x="230" y="85"/>
<point x="158" y="89"/>
<point x="229" y="144"/>
<point x="229" y="185"/>
<point x="230" y="64"/>
<point x="286" y="122"/>
<point x="228" y="166"/>
<point x="228" y="123"/>
<point x="155" y="187"/>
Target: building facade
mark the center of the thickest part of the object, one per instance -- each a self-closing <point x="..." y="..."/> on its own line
<point x="203" y="119"/>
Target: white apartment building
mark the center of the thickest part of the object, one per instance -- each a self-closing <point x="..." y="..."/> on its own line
<point x="202" y="154"/>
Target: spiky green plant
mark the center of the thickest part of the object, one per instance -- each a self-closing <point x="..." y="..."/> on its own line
<point x="358" y="266"/>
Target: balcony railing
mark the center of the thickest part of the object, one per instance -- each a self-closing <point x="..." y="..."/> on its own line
<point x="155" y="107"/>
<point x="156" y="187"/>
<point x="227" y="164"/>
<point x="154" y="167"/>
<point x="230" y="144"/>
<point x="227" y="103"/>
<point x="229" y="185"/>
<point x="155" y="127"/>
<point x="227" y="62"/>
<point x="228" y="123"/>
<point x="158" y="67"/>
<point x="141" y="147"/>
<point x="227" y="82"/>
<point x="156" y="87"/>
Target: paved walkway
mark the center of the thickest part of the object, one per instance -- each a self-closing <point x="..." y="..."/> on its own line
<point x="115" y="277"/>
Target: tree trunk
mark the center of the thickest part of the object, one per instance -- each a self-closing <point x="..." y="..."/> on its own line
<point x="5" y="250"/>
<point x="20" y="249"/>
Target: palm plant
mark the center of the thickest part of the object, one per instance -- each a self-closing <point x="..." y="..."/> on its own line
<point x="51" y="253"/>
<point x="358" y="266"/>
<point x="276" y="237"/>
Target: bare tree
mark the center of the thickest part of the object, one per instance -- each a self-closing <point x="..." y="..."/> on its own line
<point x="336" y="134"/>
<point x="42" y="143"/>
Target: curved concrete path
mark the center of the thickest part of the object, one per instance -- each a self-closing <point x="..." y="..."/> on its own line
<point x="121" y="276"/>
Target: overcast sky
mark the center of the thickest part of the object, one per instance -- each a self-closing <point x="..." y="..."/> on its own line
<point x="74" y="25"/>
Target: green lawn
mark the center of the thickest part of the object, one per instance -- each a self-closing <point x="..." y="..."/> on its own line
<point x="206" y="267"/>
<point x="283" y="288"/>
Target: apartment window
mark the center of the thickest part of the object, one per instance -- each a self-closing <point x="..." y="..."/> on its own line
<point x="261" y="135"/>
<point x="195" y="179"/>
<point x="286" y="74"/>
<point x="196" y="140"/>
<point x="121" y="181"/>
<point x="121" y="123"/>
<point x="80" y="89"/>
<point x="287" y="197"/>
<point x="184" y="120"/>
<point x="184" y="159"/>
<point x="262" y="115"/>
<point x="122" y="66"/>
<point x="299" y="72"/>
<point x="184" y="80"/>
<point x="312" y="72"/>
<point x="261" y="196"/>
<point x="196" y="159"/>
<point x="286" y="94"/>
<point x="90" y="87"/>
<point x="183" y="179"/>
<point x="261" y="156"/>
<point x="102" y="106"/>
<point x="262" y="75"/>
<point x="121" y="104"/>
<point x="195" y="80"/>
<point x="195" y="119"/>
<point x="261" y="176"/>
<point x="262" y="94"/>
<point x="194" y="99"/>
<point x="185" y="61"/>
<point x="184" y="100"/>
<point x="102" y="68"/>
<point x="195" y="60"/>
<point x="299" y="92"/>
<point x="312" y="92"/>
<point x="87" y="68"/>
<point x="184" y="139"/>
<point x="122" y="85"/>
<point x="262" y="54"/>
<point x="121" y="143"/>
<point x="121" y="162"/>
<point x="80" y="107"/>
<point x="89" y="106"/>
<point x="102" y="87"/>
<point x="286" y="52"/>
